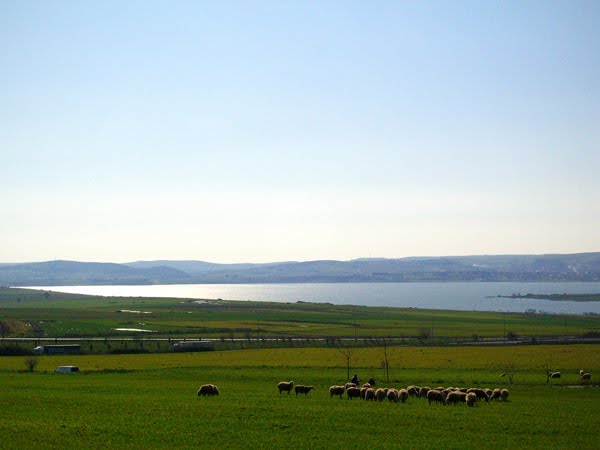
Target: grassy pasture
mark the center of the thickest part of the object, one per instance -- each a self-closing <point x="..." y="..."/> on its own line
<point x="149" y="401"/>
<point x="63" y="315"/>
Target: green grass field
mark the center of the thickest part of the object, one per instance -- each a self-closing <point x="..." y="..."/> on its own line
<point x="150" y="401"/>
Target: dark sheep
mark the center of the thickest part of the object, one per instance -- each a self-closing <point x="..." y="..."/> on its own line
<point x="453" y="397"/>
<point x="480" y="393"/>
<point x="436" y="396"/>
<point x="285" y="386"/>
<point x="413" y="390"/>
<point x="208" y="390"/>
<point x="496" y="394"/>
<point x="300" y="389"/>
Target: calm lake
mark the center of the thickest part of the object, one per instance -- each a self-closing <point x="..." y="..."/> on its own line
<point x="458" y="296"/>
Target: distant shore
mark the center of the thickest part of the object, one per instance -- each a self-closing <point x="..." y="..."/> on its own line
<point x="557" y="297"/>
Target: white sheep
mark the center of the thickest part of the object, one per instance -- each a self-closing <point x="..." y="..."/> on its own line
<point x="392" y="395"/>
<point x="336" y="390"/>
<point x="403" y="395"/>
<point x="363" y="391"/>
<point x="352" y="392"/>
<point x="285" y="386"/>
<point x="504" y="394"/>
<point x="584" y="376"/>
<point x="555" y="375"/>
<point x="349" y="385"/>
<point x="380" y="394"/>
<point x="370" y="394"/>
<point x="208" y="389"/>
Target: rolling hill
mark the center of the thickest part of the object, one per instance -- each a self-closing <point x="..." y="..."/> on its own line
<point x="571" y="267"/>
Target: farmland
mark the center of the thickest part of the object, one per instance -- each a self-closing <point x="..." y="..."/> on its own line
<point x="149" y="401"/>
<point x="37" y="314"/>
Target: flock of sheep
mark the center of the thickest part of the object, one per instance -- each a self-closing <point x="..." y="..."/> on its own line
<point x="443" y="395"/>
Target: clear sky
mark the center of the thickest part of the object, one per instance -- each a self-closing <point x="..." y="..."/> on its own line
<point x="233" y="131"/>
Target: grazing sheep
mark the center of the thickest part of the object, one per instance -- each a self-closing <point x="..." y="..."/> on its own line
<point x="208" y="389"/>
<point x="413" y="390"/>
<point x="363" y="392"/>
<point x="371" y="381"/>
<point x="349" y="385"/>
<point x="370" y="394"/>
<point x="352" y="392"/>
<point x="463" y="389"/>
<point x="480" y="393"/>
<point x="488" y="392"/>
<point x="423" y="391"/>
<point x="440" y="388"/>
<point x="504" y="394"/>
<point x="584" y="376"/>
<point x="453" y="397"/>
<point x="336" y="390"/>
<point x="471" y="399"/>
<point x="554" y="374"/>
<point x="392" y="395"/>
<point x="380" y="394"/>
<point x="496" y="393"/>
<point x="366" y="385"/>
<point x="285" y="386"/>
<point x="300" y="389"/>
<point x="436" y="396"/>
<point x="403" y="395"/>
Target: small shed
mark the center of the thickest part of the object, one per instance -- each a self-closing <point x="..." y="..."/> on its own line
<point x="67" y="369"/>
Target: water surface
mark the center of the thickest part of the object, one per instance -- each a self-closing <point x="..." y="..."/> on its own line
<point x="457" y="296"/>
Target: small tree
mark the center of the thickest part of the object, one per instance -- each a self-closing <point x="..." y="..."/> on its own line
<point x="509" y="371"/>
<point x="547" y="366"/>
<point x="347" y="352"/>
<point x="31" y="363"/>
<point x="424" y="333"/>
<point x="4" y="328"/>
<point x="386" y="363"/>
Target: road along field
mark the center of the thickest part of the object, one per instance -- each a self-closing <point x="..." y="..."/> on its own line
<point x="150" y="401"/>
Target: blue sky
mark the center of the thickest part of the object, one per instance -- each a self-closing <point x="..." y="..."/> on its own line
<point x="288" y="130"/>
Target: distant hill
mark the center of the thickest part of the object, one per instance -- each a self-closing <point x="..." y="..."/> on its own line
<point x="572" y="267"/>
<point x="74" y="273"/>
<point x="197" y="267"/>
